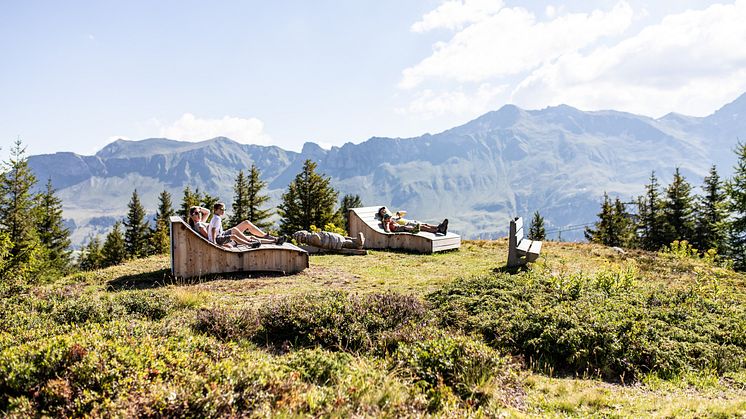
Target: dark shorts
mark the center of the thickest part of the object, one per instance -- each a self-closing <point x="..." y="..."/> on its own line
<point x="224" y="238"/>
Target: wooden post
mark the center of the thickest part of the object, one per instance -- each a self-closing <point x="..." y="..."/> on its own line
<point x="516" y="227"/>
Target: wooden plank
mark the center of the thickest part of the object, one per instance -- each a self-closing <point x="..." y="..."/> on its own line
<point x="524" y="245"/>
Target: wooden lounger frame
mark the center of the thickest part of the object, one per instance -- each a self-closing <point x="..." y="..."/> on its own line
<point x="193" y="255"/>
<point x="364" y="219"/>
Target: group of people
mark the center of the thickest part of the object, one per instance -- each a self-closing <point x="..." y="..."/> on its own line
<point x="396" y="223"/>
<point x="234" y="236"/>
<point x="237" y="235"/>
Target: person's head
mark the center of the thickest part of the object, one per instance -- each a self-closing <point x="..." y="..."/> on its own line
<point x="194" y="216"/>
<point x="219" y="208"/>
<point x="382" y="212"/>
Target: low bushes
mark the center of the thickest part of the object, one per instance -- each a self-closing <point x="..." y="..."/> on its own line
<point x="458" y="365"/>
<point x="609" y="324"/>
<point x="333" y="320"/>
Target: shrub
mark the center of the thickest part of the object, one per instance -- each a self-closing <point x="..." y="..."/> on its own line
<point x="336" y="320"/>
<point x="318" y="366"/>
<point x="456" y="364"/>
<point x="149" y="304"/>
<point x="84" y="308"/>
<point x="606" y="324"/>
<point x="227" y="325"/>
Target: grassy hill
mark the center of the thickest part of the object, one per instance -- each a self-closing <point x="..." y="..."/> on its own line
<point x="585" y="331"/>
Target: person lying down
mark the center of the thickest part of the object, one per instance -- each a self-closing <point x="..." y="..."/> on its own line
<point x="329" y="240"/>
<point x="396" y="223"/>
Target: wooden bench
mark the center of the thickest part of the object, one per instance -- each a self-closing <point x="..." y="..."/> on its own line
<point x="521" y="250"/>
<point x="364" y="219"/>
<point x="193" y="255"/>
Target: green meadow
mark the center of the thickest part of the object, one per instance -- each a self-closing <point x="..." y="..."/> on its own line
<point x="584" y="331"/>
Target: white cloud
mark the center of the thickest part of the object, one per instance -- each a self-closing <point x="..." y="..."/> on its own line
<point x="691" y="62"/>
<point x="429" y="104"/>
<point x="453" y="14"/>
<point x="509" y="42"/>
<point x="192" y="128"/>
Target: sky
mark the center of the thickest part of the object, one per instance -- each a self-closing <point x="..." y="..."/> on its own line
<point x="76" y="75"/>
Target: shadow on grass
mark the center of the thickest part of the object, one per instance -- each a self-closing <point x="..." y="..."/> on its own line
<point x="163" y="278"/>
<point x="512" y="270"/>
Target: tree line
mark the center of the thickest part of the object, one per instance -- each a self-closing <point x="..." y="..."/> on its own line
<point x="310" y="202"/>
<point x="34" y="243"/>
<point x="713" y="221"/>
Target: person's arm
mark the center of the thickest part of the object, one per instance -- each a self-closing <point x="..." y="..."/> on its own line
<point x="204" y="214"/>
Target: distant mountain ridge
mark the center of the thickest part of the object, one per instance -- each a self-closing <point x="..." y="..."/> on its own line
<point x="558" y="160"/>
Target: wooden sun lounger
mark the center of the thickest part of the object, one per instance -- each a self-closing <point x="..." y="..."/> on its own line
<point x="193" y="255"/>
<point x="364" y="219"/>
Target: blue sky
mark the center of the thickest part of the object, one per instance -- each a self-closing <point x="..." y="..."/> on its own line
<point x="76" y="75"/>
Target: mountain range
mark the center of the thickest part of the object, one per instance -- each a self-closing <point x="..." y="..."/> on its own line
<point x="558" y="161"/>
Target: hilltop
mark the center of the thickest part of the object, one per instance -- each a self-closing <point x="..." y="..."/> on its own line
<point x="558" y="160"/>
<point x="587" y="330"/>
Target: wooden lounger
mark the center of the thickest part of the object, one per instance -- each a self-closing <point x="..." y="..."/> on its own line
<point x="364" y="219"/>
<point x="193" y="255"/>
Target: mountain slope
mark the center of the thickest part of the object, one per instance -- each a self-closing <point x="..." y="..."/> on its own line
<point x="558" y="160"/>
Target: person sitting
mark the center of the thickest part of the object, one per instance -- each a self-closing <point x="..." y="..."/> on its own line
<point x="329" y="240"/>
<point x="198" y="220"/>
<point x="397" y="223"/>
<point x="236" y="234"/>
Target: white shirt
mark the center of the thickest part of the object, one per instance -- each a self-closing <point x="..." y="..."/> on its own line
<point x="217" y="224"/>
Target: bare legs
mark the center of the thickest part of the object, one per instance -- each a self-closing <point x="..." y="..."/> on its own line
<point x="254" y="231"/>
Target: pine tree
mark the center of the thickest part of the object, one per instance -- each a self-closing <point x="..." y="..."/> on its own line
<point x="114" y="252"/>
<point x="17" y="215"/>
<point x="240" y="207"/>
<point x="737" y="193"/>
<point x="188" y="200"/>
<point x="160" y="242"/>
<point x="711" y="211"/>
<point x="537" y="231"/>
<point x="678" y="210"/>
<point x="309" y="200"/>
<point x="135" y="229"/>
<point x="651" y="221"/>
<point x="623" y="224"/>
<point x="52" y="233"/>
<point x="348" y="201"/>
<point x="255" y="199"/>
<point x="605" y="229"/>
<point x="91" y="257"/>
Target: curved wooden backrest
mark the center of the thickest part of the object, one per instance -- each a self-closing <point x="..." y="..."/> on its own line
<point x="364" y="219"/>
<point x="193" y="255"/>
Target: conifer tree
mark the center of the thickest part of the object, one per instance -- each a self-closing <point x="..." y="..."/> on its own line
<point x="348" y="201"/>
<point x="256" y="200"/>
<point x="113" y="251"/>
<point x="623" y="224"/>
<point x="678" y="210"/>
<point x="537" y="231"/>
<point x="737" y="193"/>
<point x="605" y="230"/>
<point x="91" y="257"/>
<point x="711" y="213"/>
<point x="17" y="215"/>
<point x="135" y="229"/>
<point x="52" y="233"/>
<point x="309" y="200"/>
<point x="651" y="227"/>
<point x="159" y="237"/>
<point x="188" y="200"/>
<point x="240" y="207"/>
